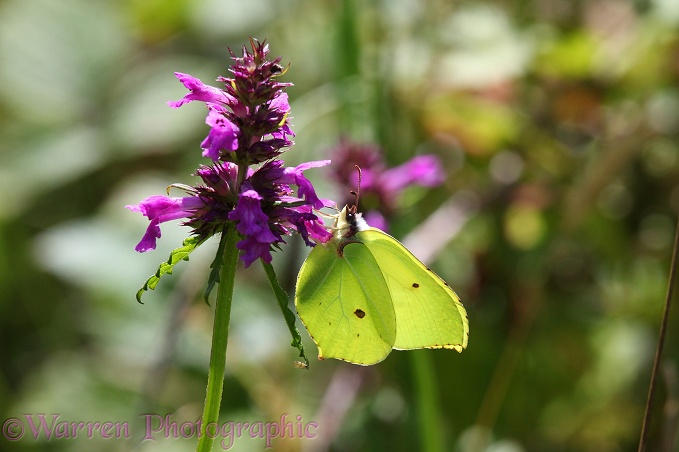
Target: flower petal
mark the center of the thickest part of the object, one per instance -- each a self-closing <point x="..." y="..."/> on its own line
<point x="280" y="103"/>
<point x="148" y="241"/>
<point x="200" y="92"/>
<point x="252" y="221"/>
<point x="425" y="170"/>
<point x="254" y="250"/>
<point x="306" y="189"/>
<point x="223" y="135"/>
<point x="160" y="209"/>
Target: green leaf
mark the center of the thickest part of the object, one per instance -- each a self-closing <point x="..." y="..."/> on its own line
<point x="289" y="316"/>
<point x="216" y="265"/>
<point x="177" y="255"/>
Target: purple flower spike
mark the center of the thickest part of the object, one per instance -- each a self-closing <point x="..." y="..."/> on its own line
<point x="200" y="92"/>
<point x="247" y="184"/>
<point x="160" y="209"/>
<point x="381" y="186"/>
<point x="257" y="110"/>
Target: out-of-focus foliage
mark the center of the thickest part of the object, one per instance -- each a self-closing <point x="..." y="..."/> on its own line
<point x="557" y="121"/>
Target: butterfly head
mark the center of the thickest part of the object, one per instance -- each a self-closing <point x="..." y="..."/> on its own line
<point x="349" y="222"/>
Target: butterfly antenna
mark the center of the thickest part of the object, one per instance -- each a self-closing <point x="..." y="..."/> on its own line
<point x="356" y="193"/>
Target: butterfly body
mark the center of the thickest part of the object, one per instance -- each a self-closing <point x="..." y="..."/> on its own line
<point x="363" y="294"/>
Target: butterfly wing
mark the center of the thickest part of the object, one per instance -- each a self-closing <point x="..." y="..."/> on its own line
<point x="344" y="302"/>
<point x="428" y="312"/>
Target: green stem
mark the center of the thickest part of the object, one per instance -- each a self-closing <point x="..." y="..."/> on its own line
<point x="220" y="337"/>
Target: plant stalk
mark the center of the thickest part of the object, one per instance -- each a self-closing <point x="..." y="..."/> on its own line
<point x="643" y="440"/>
<point x="209" y="428"/>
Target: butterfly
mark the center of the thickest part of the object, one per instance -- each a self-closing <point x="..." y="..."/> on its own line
<point x="362" y="294"/>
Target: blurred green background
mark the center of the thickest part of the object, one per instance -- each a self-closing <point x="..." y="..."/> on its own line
<point x="557" y="122"/>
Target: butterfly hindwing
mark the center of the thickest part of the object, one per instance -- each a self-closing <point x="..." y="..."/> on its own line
<point x="344" y="302"/>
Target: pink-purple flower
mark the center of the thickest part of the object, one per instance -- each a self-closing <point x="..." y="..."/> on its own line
<point x="223" y="135"/>
<point x="380" y="186"/>
<point x="200" y="92"/>
<point x="160" y="209"/>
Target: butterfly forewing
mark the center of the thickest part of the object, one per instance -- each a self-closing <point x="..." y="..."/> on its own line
<point x="428" y="312"/>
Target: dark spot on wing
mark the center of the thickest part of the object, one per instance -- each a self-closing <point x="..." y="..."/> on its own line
<point x="359" y="313"/>
<point x="415" y="285"/>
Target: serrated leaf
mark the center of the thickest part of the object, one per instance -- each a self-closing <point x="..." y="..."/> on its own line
<point x="176" y="256"/>
<point x="216" y="265"/>
<point x="289" y="316"/>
